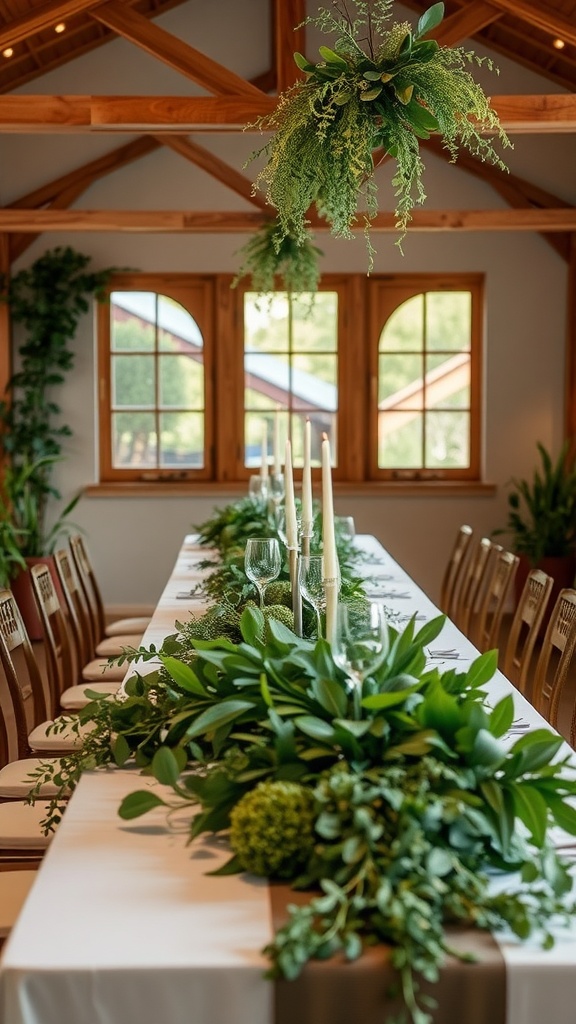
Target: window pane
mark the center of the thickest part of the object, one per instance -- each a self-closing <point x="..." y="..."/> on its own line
<point x="400" y="440"/>
<point x="133" y="381"/>
<point x="316" y="324"/>
<point x="134" y="440"/>
<point x="320" y="423"/>
<point x="314" y="379"/>
<point x="177" y="330"/>
<point x="265" y="323"/>
<point x="448" y="320"/>
<point x="448" y="381"/>
<point x="181" y="382"/>
<point x="181" y="440"/>
<point x="132" y="320"/>
<point x="254" y="424"/>
<point x="447" y="444"/>
<point x="404" y="329"/>
<point x="400" y="382"/>
<point x="269" y="377"/>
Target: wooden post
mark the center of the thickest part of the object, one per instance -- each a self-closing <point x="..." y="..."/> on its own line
<point x="570" y="392"/>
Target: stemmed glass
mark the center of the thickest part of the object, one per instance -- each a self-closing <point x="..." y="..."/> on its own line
<point x="257" y="488"/>
<point x="262" y="562"/>
<point x="311" y="584"/>
<point x="361" y="644"/>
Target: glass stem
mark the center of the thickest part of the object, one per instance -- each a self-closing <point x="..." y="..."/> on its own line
<point x="261" y="592"/>
<point x="357" y="697"/>
<point x="318" y="623"/>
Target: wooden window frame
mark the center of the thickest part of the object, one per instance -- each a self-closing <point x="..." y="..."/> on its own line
<point x="358" y="334"/>
<point x="385" y="294"/>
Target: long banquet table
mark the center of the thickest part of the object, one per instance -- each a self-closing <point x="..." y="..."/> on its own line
<point x="123" y="924"/>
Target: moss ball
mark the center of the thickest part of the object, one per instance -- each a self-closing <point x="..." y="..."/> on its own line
<point x="272" y="829"/>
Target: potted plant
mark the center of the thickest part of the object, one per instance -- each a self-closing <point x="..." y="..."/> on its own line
<point x="48" y="298"/>
<point x="542" y="518"/>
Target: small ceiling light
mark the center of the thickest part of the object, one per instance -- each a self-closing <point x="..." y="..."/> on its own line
<point x="558" y="44"/>
<point x="8" y="52"/>
<point x="60" y="27"/>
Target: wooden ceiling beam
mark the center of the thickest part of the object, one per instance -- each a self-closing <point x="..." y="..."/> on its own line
<point x="216" y="167"/>
<point x="221" y="222"/>
<point x="42" y="17"/>
<point x="539" y="17"/>
<point x="286" y="15"/>
<point x="536" y="114"/>
<point x="186" y="60"/>
<point x="19" y="243"/>
<point x="464" y="23"/>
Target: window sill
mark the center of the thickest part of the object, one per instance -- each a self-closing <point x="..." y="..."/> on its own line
<point x="398" y="488"/>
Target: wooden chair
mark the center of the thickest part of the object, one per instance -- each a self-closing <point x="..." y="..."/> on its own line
<point x="555" y="659"/>
<point x="470" y="591"/>
<point x="107" y="640"/>
<point x="454" y="572"/>
<point x="525" y="628"/>
<point x="485" y="630"/>
<point x="21" y="838"/>
<point x="95" y="670"/>
<point x="61" y="649"/>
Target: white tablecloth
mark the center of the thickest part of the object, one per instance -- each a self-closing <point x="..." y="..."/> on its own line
<point x="124" y="927"/>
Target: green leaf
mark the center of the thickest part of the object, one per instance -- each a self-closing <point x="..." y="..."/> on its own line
<point x="429" y="631"/>
<point x="537" y="749"/>
<point x="165" y="767"/>
<point x="425" y="51"/>
<point x="317" y="728"/>
<point x="372" y="76"/>
<point x="482" y="669"/>
<point x="303" y="64"/>
<point x="388" y="699"/>
<point x="120" y="750"/>
<point x="371" y="94"/>
<point x="440" y="711"/>
<point x="486" y="750"/>
<point x="140" y="802"/>
<point x="331" y="695"/>
<point x="183" y="676"/>
<point x="502" y="716"/>
<point x="531" y="808"/>
<point x="332" y="58"/>
<point x="231" y="867"/>
<point x="430" y="19"/>
<point x="217" y="715"/>
<point x="252" y="625"/>
<point x="564" y="815"/>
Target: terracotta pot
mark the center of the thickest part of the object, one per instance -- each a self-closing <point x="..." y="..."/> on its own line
<point x="21" y="587"/>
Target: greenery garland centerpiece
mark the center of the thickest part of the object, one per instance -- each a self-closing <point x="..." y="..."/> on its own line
<point x="379" y="87"/>
<point x="393" y="818"/>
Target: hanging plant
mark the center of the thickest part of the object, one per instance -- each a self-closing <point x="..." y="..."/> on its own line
<point x="378" y="88"/>
<point x="273" y="252"/>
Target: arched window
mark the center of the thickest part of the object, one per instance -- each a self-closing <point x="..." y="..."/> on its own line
<point x="426" y="339"/>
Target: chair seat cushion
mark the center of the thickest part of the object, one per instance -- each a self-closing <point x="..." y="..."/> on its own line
<point x="42" y="741"/>
<point x="75" y="696"/>
<point x="121" y="627"/>
<point x="20" y="826"/>
<point x="14" y="888"/>
<point x="15" y="783"/>
<point x="99" y="671"/>
<point x="113" y="645"/>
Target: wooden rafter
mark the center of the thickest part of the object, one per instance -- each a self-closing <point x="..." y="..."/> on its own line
<point x="168" y="48"/>
<point x="214" y="166"/>
<point x="465" y="22"/>
<point x="41" y="18"/>
<point x="536" y="114"/>
<point x="287" y="14"/>
<point x="540" y="17"/>
<point x="216" y="222"/>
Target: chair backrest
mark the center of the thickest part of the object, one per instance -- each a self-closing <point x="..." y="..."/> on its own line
<point x="454" y="571"/>
<point x="25" y="688"/>
<point x="471" y="589"/>
<point x="554" y="661"/>
<point x="76" y="607"/>
<point x="525" y="627"/>
<point x="60" y="648"/>
<point x="90" y="587"/>
<point x="485" y="630"/>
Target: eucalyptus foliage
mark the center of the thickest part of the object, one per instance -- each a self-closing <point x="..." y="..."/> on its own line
<point x="379" y="88"/>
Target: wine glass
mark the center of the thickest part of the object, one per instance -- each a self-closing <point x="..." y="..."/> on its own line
<point x="257" y="488"/>
<point x="361" y="644"/>
<point x="311" y="584"/>
<point x="276" y="488"/>
<point x="262" y="562"/>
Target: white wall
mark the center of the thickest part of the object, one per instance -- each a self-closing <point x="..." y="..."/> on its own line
<point x="134" y="541"/>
